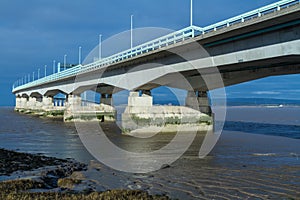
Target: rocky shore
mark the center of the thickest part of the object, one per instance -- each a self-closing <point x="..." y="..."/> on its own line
<point x="28" y="176"/>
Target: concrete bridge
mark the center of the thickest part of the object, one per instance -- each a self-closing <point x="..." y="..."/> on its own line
<point x="256" y="44"/>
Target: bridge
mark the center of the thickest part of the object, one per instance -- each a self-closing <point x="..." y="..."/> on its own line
<point x="260" y="43"/>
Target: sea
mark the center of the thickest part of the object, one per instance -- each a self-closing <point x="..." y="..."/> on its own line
<point x="256" y="157"/>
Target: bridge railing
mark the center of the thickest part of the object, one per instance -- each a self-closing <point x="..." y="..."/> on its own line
<point x="158" y="43"/>
<point x="152" y="45"/>
<point x="53" y="77"/>
<point x="250" y="15"/>
<point x="161" y="42"/>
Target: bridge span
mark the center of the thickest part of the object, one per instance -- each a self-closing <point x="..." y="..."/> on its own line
<point x="260" y="43"/>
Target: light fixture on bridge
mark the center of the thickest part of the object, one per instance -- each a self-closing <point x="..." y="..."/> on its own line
<point x="100" y="48"/>
<point x="53" y="66"/>
<point x="45" y="70"/>
<point x="79" y="55"/>
<point x="65" y="61"/>
<point x="191" y="14"/>
<point x="131" y="31"/>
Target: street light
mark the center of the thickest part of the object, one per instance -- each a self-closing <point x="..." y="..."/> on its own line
<point x="33" y="76"/>
<point x="45" y="70"/>
<point x="38" y="73"/>
<point x="131" y="31"/>
<point x="53" y="67"/>
<point x="79" y="56"/>
<point x="65" y="61"/>
<point x="191" y="14"/>
<point x="100" y="47"/>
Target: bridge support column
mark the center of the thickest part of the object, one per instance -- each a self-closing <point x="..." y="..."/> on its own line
<point x="32" y="103"/>
<point x="47" y="103"/>
<point x="145" y="100"/>
<point x="23" y="103"/>
<point x="204" y="105"/>
<point x="18" y="102"/>
<point x="137" y="106"/>
<point x="198" y="101"/>
<point x="191" y="100"/>
<point x="106" y="99"/>
<point x="74" y="101"/>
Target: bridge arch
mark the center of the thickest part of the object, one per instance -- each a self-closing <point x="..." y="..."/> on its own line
<point x="36" y="95"/>
<point x="25" y="95"/>
<point x="54" y="92"/>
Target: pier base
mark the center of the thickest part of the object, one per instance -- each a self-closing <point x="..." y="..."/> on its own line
<point x="47" y="103"/>
<point x="141" y="115"/>
<point x="92" y="112"/>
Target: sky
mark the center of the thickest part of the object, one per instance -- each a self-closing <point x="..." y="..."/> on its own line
<point x="33" y="33"/>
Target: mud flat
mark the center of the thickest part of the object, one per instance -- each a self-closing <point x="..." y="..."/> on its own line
<point x="28" y="176"/>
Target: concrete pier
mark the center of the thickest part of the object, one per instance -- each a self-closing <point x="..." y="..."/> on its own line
<point x="198" y="100"/>
<point x="72" y="110"/>
<point x="91" y="112"/>
<point x="48" y="103"/>
<point x="140" y="114"/>
<point x="106" y="99"/>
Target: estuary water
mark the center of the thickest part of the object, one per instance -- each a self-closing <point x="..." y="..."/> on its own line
<point x="257" y="156"/>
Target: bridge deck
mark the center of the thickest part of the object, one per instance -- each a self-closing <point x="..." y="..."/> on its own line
<point x="209" y="35"/>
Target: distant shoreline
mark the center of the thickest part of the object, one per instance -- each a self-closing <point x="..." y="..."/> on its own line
<point x="229" y="106"/>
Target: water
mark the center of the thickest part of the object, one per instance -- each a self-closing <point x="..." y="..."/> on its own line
<point x="36" y="135"/>
<point x="277" y="121"/>
<point x="246" y="162"/>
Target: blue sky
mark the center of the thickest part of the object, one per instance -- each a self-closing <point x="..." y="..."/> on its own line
<point x="33" y="33"/>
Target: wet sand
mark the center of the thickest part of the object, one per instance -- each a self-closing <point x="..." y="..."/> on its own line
<point x="29" y="176"/>
<point x="240" y="166"/>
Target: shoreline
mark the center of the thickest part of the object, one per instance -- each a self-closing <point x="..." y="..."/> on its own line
<point x="34" y="176"/>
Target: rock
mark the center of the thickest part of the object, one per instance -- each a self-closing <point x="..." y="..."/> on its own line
<point x="78" y="175"/>
<point x="68" y="183"/>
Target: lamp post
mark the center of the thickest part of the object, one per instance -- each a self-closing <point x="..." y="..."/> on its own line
<point x="33" y="76"/>
<point x="79" y="55"/>
<point x="100" y="47"/>
<point x="191" y="19"/>
<point x="45" y="70"/>
<point x="131" y="31"/>
<point x="191" y="14"/>
<point x="53" y="66"/>
<point x="65" y="61"/>
<point x="38" y="73"/>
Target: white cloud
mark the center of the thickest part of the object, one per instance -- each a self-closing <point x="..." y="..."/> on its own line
<point x="266" y="92"/>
